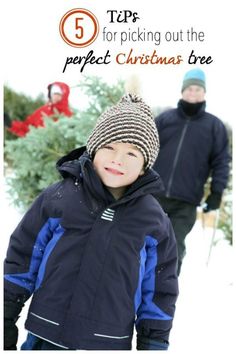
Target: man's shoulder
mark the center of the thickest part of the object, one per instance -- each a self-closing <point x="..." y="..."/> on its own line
<point x="166" y="113"/>
<point x="214" y="120"/>
<point x="167" y="117"/>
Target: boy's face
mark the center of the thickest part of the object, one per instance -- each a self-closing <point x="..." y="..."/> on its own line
<point x="118" y="165"/>
<point x="193" y="94"/>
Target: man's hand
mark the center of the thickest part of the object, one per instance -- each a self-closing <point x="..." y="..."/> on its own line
<point x="212" y="202"/>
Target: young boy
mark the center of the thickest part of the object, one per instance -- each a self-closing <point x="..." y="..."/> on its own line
<point x="96" y="250"/>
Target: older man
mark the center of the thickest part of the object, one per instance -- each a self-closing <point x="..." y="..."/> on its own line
<point x="193" y="146"/>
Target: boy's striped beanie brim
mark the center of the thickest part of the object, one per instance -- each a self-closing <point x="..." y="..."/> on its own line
<point x="129" y="121"/>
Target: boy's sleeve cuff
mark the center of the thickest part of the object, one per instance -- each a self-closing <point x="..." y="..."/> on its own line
<point x="144" y="343"/>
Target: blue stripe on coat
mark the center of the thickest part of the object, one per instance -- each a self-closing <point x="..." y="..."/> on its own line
<point x="50" y="246"/>
<point x="46" y="240"/>
<point x="145" y="308"/>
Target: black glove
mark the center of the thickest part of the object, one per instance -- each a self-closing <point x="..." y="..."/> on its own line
<point x="12" y="309"/>
<point x="144" y="343"/>
<point x="212" y="202"/>
<point x="10" y="335"/>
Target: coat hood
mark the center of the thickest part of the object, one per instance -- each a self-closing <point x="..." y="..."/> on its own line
<point x="63" y="105"/>
<point x="78" y="166"/>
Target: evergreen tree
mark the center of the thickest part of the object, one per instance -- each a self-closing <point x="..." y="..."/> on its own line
<point x="19" y="106"/>
<point x="226" y="220"/>
<point x="33" y="157"/>
<point x="225" y="217"/>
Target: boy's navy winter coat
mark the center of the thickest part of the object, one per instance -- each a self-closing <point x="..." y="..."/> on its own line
<point x="95" y="266"/>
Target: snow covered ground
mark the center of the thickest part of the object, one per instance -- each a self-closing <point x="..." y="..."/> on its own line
<point x="205" y="316"/>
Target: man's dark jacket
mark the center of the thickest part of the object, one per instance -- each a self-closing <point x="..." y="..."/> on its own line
<point x="191" y="148"/>
<point x="95" y="266"/>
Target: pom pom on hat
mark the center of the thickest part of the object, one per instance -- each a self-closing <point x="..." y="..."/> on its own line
<point x="194" y="77"/>
<point x="129" y="121"/>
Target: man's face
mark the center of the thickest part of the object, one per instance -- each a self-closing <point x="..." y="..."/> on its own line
<point x="118" y="165"/>
<point x="193" y="94"/>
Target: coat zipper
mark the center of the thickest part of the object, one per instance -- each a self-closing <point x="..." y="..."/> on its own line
<point x="176" y="159"/>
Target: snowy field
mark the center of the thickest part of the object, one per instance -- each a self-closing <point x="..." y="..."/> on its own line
<point x="205" y="316"/>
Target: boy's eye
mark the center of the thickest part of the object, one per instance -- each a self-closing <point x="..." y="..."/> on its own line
<point x="132" y="154"/>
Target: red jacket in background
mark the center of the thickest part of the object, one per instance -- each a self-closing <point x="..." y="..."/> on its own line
<point x="21" y="128"/>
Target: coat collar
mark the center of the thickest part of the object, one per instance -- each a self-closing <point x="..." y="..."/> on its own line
<point x="78" y="166"/>
<point x="191" y="111"/>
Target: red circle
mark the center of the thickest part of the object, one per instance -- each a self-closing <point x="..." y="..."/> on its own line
<point x="87" y="13"/>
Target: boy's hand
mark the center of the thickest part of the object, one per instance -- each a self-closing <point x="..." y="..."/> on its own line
<point x="10" y="335"/>
<point x="12" y="307"/>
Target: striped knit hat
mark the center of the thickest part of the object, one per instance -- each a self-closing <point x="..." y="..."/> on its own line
<point x="129" y="121"/>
